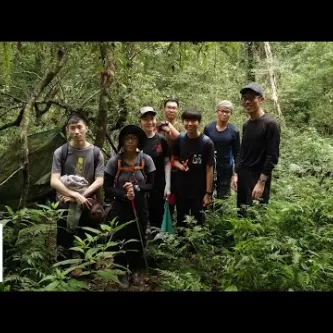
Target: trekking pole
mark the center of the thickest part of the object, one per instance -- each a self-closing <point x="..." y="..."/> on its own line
<point x="140" y="235"/>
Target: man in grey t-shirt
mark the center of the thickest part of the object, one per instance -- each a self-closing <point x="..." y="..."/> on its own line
<point x="80" y="162"/>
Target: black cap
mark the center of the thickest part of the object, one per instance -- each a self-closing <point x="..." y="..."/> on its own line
<point x="135" y="130"/>
<point x="254" y="87"/>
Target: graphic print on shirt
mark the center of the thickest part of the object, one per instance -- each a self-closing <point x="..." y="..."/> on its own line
<point x="197" y="159"/>
<point x="79" y="167"/>
<point x="158" y="148"/>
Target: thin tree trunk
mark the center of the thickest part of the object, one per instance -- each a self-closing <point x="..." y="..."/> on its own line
<point x="107" y="76"/>
<point x="251" y="77"/>
<point x="269" y="57"/>
<point x="27" y="113"/>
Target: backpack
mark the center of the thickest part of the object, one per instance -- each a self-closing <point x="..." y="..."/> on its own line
<point x="133" y="168"/>
<point x="64" y="154"/>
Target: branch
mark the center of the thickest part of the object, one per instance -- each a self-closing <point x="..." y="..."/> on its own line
<point x="16" y="171"/>
<point x="107" y="135"/>
<point x="135" y="54"/>
<point x="17" y="106"/>
<point x="16" y="99"/>
<point x="88" y="99"/>
<point x="15" y="123"/>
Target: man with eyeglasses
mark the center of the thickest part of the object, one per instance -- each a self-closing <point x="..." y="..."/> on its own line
<point x="226" y="139"/>
<point x="259" y="152"/>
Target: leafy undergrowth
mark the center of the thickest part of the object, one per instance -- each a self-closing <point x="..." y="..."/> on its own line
<point x="285" y="246"/>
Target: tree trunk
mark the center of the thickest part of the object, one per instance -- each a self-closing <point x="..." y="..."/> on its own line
<point x="27" y="112"/>
<point x="269" y="58"/>
<point x="107" y="76"/>
<point x="251" y="77"/>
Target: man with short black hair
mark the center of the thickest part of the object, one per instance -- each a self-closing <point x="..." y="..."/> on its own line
<point x="79" y="161"/>
<point x="259" y="153"/>
<point x="193" y="154"/>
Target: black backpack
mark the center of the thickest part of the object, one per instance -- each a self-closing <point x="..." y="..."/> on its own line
<point x="64" y="154"/>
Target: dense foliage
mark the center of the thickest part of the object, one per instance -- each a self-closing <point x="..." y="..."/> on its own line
<point x="286" y="246"/>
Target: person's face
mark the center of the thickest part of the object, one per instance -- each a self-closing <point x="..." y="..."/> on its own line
<point x="191" y="126"/>
<point x="251" y="101"/>
<point x="171" y="110"/>
<point x="77" y="131"/>
<point x="223" y="114"/>
<point x="148" y="122"/>
<point x="131" y="142"/>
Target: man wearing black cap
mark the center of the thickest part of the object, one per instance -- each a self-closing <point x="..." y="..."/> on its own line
<point x="259" y="152"/>
<point x="128" y="176"/>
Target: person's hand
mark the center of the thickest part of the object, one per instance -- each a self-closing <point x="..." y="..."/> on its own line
<point x="130" y="190"/>
<point x="234" y="182"/>
<point x="258" y="191"/>
<point x="207" y="200"/>
<point x="81" y="200"/>
<point x="167" y="191"/>
<point x="185" y="166"/>
<point x="65" y="199"/>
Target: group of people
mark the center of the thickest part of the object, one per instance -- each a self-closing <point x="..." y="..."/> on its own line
<point x="167" y="160"/>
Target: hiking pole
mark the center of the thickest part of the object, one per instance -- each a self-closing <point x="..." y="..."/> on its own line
<point x="140" y="235"/>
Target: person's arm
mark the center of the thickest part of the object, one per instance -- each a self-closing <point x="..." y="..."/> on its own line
<point x="272" y="157"/>
<point x="235" y="148"/>
<point x="234" y="180"/>
<point x="209" y="173"/>
<point x="110" y="190"/>
<point x="167" y="166"/>
<point x="168" y="129"/>
<point x="60" y="188"/>
<point x="175" y="156"/>
<point x="99" y="178"/>
<point x="272" y="149"/>
<point x="55" y="181"/>
<point x="150" y="169"/>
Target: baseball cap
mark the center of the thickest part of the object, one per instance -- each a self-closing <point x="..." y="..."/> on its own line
<point x="254" y="87"/>
<point x="145" y="110"/>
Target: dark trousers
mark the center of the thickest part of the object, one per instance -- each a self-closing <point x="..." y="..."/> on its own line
<point x="189" y="206"/>
<point x="65" y="238"/>
<point x="156" y="206"/>
<point x="122" y="210"/>
<point x="247" y="179"/>
<point x="223" y="182"/>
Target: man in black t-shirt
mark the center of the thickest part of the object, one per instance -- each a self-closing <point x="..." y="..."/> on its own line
<point x="158" y="149"/>
<point x="259" y="153"/>
<point x="193" y="154"/>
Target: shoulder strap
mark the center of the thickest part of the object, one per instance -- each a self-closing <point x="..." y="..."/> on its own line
<point x="63" y="158"/>
<point x="120" y="168"/>
<point x="181" y="140"/>
<point x="96" y="152"/>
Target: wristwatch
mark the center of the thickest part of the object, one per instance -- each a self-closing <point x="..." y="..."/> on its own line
<point x="209" y="193"/>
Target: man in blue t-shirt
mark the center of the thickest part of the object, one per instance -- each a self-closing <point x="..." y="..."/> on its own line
<point x="226" y="139"/>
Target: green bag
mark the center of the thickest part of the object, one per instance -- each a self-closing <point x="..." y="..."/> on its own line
<point x="167" y="219"/>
